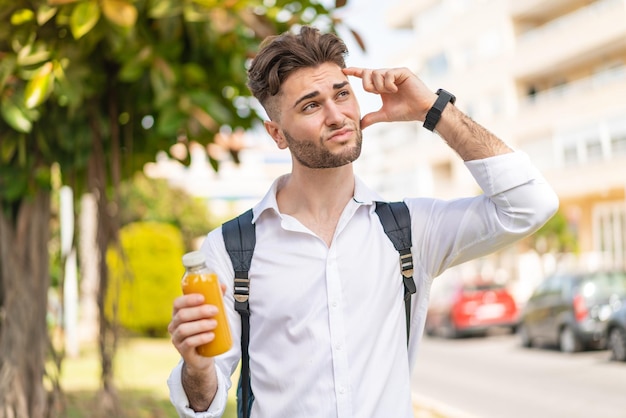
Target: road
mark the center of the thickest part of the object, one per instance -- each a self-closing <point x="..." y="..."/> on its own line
<point x="494" y="377"/>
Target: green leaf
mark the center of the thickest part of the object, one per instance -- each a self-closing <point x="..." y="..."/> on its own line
<point x="131" y="71"/>
<point x="195" y="13"/>
<point x="21" y="151"/>
<point x="7" y="67"/>
<point x="71" y="84"/>
<point x="15" y="117"/>
<point x="207" y="3"/>
<point x="22" y="16"/>
<point x="61" y="2"/>
<point x="14" y="185"/>
<point x="43" y="176"/>
<point x="193" y="73"/>
<point x="43" y="146"/>
<point x="39" y="87"/>
<point x="45" y="13"/>
<point x="27" y="56"/>
<point x="219" y="112"/>
<point x="120" y="12"/>
<point x="8" y="146"/>
<point x="169" y="121"/>
<point x="84" y="17"/>
<point x="159" y="9"/>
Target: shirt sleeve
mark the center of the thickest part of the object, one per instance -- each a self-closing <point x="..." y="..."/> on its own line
<point x="181" y="403"/>
<point x="503" y="172"/>
<point x="516" y="201"/>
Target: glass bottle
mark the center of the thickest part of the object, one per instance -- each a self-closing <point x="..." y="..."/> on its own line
<point x="198" y="278"/>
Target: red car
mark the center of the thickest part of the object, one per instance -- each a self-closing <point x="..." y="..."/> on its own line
<point x="460" y="308"/>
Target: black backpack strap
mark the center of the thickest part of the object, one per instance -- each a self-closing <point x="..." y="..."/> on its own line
<point x="396" y="221"/>
<point x="240" y="239"/>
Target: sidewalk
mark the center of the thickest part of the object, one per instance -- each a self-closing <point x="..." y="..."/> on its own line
<point x="429" y="408"/>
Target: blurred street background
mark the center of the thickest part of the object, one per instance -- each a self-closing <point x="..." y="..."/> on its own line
<point x="495" y="377"/>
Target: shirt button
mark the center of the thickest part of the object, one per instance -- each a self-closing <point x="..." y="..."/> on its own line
<point x="342" y="391"/>
<point x="338" y="347"/>
<point x="334" y="304"/>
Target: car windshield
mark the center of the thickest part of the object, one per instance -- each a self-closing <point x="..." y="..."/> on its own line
<point x="482" y="287"/>
<point x="604" y="285"/>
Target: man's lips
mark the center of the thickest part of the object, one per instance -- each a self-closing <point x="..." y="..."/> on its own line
<point x="340" y="134"/>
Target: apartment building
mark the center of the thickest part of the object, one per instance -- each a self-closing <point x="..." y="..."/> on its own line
<point x="548" y="76"/>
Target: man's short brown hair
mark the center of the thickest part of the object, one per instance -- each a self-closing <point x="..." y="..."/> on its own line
<point x="283" y="54"/>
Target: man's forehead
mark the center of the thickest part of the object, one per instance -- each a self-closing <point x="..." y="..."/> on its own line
<point x="308" y="81"/>
<point x="327" y="74"/>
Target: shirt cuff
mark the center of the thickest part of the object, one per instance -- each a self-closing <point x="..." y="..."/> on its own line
<point x="179" y="399"/>
<point x="503" y="172"/>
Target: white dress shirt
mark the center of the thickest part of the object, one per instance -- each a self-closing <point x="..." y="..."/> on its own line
<point x="327" y="325"/>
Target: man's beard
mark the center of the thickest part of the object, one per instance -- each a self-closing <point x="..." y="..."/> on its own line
<point x="314" y="155"/>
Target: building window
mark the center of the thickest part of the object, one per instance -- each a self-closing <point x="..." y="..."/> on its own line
<point x="610" y="233"/>
<point x="570" y="154"/>
<point x="593" y="147"/>
<point x="618" y="144"/>
<point x="583" y="145"/>
<point x="617" y="135"/>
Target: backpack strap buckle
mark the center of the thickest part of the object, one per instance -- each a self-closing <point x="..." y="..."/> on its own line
<point x="242" y="292"/>
<point x="406" y="265"/>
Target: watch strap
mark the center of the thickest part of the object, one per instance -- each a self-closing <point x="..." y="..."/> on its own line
<point x="434" y="113"/>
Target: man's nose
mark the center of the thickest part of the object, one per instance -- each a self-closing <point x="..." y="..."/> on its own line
<point x="334" y="114"/>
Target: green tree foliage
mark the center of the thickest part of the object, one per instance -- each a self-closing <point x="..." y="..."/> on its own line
<point x="144" y="278"/>
<point x="555" y="236"/>
<point x="146" y="199"/>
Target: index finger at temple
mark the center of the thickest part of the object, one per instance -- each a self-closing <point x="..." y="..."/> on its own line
<point x="354" y="71"/>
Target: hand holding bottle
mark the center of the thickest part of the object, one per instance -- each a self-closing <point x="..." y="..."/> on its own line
<point x="198" y="279"/>
<point x="199" y="326"/>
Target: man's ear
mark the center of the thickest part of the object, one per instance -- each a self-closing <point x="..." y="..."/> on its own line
<point x="273" y="129"/>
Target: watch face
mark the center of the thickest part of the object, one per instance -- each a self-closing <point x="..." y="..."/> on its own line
<point x="452" y="98"/>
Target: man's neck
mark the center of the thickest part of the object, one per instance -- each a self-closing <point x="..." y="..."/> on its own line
<point x="317" y="197"/>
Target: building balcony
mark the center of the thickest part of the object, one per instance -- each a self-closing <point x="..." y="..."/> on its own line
<point x="571" y="40"/>
<point x="602" y="178"/>
<point x="530" y="9"/>
<point x="572" y="104"/>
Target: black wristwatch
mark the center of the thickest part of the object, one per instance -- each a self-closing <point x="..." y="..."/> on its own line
<point x="434" y="114"/>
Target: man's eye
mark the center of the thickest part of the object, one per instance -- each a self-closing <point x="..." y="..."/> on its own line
<point x="343" y="93"/>
<point x="309" y="106"/>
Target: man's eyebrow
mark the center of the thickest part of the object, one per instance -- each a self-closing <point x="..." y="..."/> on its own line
<point x="336" y="86"/>
<point x="306" y="97"/>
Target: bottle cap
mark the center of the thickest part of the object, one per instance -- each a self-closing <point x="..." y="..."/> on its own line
<point x="194" y="258"/>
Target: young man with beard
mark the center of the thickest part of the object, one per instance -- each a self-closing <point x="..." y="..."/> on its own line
<point x="327" y="325"/>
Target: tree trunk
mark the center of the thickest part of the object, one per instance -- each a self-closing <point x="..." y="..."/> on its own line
<point x="89" y="259"/>
<point x="24" y="283"/>
<point x="105" y="234"/>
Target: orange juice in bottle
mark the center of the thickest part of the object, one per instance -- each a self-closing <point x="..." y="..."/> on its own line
<point x="199" y="279"/>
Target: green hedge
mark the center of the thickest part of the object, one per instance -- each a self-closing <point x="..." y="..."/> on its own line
<point x="145" y="279"/>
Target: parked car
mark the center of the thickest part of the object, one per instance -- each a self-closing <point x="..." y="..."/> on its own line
<point x="571" y="310"/>
<point x="616" y="332"/>
<point x="458" y="308"/>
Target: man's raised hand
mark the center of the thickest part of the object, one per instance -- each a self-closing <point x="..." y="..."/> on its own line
<point x="404" y="96"/>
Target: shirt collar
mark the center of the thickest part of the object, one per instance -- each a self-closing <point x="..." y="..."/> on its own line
<point x="363" y="195"/>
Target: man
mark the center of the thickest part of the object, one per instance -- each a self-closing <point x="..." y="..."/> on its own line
<point x="327" y="325"/>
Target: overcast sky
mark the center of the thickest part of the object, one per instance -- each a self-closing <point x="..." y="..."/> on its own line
<point x="369" y="19"/>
